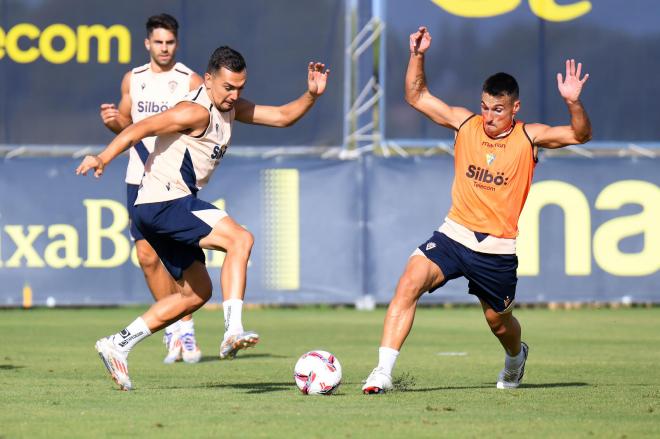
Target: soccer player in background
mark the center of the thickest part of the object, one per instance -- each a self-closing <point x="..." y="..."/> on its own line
<point x="146" y="90"/>
<point x="494" y="164"/>
<point x="192" y="138"/>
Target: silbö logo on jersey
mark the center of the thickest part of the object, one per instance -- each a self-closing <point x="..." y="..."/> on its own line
<point x="152" y="107"/>
<point x="482" y="175"/>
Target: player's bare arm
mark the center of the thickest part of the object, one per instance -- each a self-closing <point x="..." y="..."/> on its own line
<point x="579" y="131"/>
<point x="185" y="117"/>
<point x="417" y="92"/>
<point x="288" y="114"/>
<point x="118" y="118"/>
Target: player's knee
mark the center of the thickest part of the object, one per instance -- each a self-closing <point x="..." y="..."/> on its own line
<point x="199" y="296"/>
<point x="147" y="258"/>
<point x="408" y="288"/>
<point x="243" y="242"/>
<point x="497" y="326"/>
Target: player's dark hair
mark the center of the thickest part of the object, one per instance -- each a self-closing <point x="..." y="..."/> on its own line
<point x="226" y="57"/>
<point x="501" y="84"/>
<point x="163" y="21"/>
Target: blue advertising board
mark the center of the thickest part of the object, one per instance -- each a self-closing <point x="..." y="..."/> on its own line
<point x="331" y="231"/>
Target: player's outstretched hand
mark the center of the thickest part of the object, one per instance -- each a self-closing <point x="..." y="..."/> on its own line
<point x="91" y="162"/>
<point x="420" y="41"/>
<point x="317" y="78"/>
<point x="109" y="113"/>
<point x="571" y="86"/>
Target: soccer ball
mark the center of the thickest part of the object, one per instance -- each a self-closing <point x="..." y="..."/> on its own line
<point x="317" y="373"/>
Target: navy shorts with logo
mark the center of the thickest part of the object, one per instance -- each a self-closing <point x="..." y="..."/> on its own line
<point x="491" y="277"/>
<point x="174" y="231"/>
<point x="131" y="196"/>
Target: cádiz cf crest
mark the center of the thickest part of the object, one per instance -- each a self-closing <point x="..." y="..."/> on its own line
<point x="490" y="157"/>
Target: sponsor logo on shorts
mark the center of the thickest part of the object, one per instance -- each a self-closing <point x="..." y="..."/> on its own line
<point x="430" y="246"/>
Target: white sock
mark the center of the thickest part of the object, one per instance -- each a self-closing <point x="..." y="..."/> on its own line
<point x="173" y="328"/>
<point x="386" y="358"/>
<point x="132" y="335"/>
<point x="233" y="309"/>
<point x="187" y="327"/>
<point x="513" y="363"/>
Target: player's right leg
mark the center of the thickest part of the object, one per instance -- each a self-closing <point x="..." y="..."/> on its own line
<point x="420" y="275"/>
<point x="231" y="237"/>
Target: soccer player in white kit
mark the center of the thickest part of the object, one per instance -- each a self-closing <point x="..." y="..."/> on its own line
<point x="147" y="90"/>
<point x="193" y="136"/>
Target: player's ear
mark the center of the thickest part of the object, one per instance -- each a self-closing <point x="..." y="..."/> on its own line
<point x="516" y="106"/>
<point x="146" y="44"/>
<point x="207" y="80"/>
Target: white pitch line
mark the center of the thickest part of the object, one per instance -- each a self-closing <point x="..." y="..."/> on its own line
<point x="452" y="354"/>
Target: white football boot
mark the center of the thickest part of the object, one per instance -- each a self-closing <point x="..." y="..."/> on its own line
<point x="115" y="361"/>
<point x="189" y="349"/>
<point x="377" y="382"/>
<point x="231" y="344"/>
<point x="173" y="345"/>
<point x="510" y="379"/>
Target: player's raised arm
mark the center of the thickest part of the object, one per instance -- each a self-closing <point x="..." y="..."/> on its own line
<point x="118" y="118"/>
<point x="579" y="131"/>
<point x="417" y="93"/>
<point x="185" y="117"/>
<point x="288" y="114"/>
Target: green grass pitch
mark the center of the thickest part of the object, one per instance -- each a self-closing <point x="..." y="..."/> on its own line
<point x="591" y="373"/>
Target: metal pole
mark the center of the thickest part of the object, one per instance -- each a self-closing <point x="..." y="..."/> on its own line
<point x="541" y="75"/>
<point x="379" y="11"/>
<point x="349" y="23"/>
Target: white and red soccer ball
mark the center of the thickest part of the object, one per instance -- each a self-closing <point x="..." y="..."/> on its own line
<point x="317" y="373"/>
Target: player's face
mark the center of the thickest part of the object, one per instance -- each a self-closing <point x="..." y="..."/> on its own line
<point x="161" y="45"/>
<point x="498" y="113"/>
<point x="225" y="87"/>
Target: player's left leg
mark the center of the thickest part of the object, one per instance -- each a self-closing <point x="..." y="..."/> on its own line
<point x="507" y="330"/>
<point x="231" y="237"/>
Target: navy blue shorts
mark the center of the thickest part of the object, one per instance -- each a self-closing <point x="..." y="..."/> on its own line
<point x="492" y="278"/>
<point x="131" y="195"/>
<point x="174" y="229"/>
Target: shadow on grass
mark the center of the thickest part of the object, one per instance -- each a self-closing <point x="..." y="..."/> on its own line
<point x="492" y="386"/>
<point x="253" y="388"/>
<point x="241" y="356"/>
<point x="10" y="367"/>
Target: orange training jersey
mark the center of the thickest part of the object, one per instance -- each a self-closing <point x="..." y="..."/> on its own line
<point x="492" y="178"/>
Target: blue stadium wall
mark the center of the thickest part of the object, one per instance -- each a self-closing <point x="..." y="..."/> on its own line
<point x="330" y="231"/>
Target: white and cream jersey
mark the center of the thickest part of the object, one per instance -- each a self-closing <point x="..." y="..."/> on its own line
<point x="180" y="164"/>
<point x="153" y="93"/>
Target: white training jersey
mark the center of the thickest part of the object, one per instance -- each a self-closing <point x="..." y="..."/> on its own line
<point x="180" y="164"/>
<point x="153" y="93"/>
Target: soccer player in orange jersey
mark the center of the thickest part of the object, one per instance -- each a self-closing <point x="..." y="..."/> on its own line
<point x="494" y="165"/>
